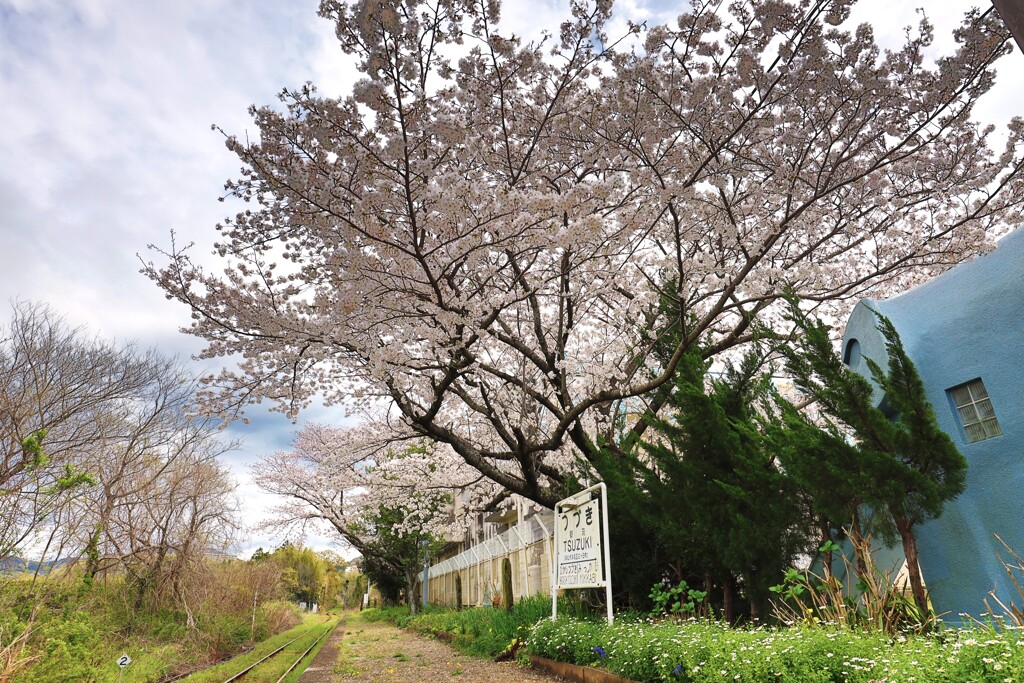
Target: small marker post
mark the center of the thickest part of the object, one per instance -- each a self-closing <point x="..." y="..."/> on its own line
<point x="122" y="661"/>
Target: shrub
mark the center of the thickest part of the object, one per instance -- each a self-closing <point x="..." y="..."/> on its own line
<point x="275" y="617"/>
<point x="480" y="631"/>
<point x="704" y="651"/>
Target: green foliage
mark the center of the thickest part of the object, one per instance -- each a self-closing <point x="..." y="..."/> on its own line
<point x="259" y="555"/>
<point x="704" y="500"/>
<point x="74" y="630"/>
<point x="71" y="478"/>
<point x="874" y="602"/>
<point x="309" y="576"/>
<point x="705" y="651"/>
<point x="32" y="447"/>
<point x="393" y="556"/>
<point x="677" y="600"/>
<point x="479" y="631"/>
<point x="901" y="465"/>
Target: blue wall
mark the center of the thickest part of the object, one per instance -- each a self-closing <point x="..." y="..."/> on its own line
<point x="965" y="324"/>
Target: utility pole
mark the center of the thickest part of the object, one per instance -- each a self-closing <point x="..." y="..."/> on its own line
<point x="1012" y="14"/>
<point x="426" y="572"/>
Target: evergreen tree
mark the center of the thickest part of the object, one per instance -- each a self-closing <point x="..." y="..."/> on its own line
<point x="393" y="554"/>
<point x="710" y="499"/>
<point x="901" y="465"/>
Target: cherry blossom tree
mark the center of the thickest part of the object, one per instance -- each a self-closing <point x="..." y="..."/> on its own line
<point x="480" y="233"/>
<point x="384" y="492"/>
<point x="343" y="476"/>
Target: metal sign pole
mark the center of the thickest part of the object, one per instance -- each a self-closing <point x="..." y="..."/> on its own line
<point x="607" y="551"/>
<point x="554" y="566"/>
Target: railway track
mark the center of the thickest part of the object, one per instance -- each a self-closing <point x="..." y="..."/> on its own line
<point x="281" y="651"/>
<point x="253" y="669"/>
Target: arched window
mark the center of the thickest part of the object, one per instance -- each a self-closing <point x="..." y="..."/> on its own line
<point x="851" y="355"/>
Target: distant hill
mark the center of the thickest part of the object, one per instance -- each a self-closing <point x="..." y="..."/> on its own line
<point x="12" y="565"/>
<point x="16" y="565"/>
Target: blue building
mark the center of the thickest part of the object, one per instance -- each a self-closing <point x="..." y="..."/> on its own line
<point x="964" y="330"/>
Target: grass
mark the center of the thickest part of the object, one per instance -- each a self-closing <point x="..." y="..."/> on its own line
<point x="312" y="626"/>
<point x="78" y="634"/>
<point x="478" y="631"/>
<point x="65" y="629"/>
<point x="669" y="651"/>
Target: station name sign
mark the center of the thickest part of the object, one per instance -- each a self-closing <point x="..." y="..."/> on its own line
<point x="581" y="544"/>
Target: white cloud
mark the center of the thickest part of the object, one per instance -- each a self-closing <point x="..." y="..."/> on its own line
<point x="106" y="145"/>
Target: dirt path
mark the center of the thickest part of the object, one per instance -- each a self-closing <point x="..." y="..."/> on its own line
<point x="321" y="669"/>
<point x="381" y="653"/>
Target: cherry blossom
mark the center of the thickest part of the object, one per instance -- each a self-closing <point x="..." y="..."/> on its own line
<point x="481" y="233"/>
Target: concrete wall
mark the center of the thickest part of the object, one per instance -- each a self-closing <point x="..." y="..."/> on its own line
<point x="481" y="580"/>
<point x="528" y="546"/>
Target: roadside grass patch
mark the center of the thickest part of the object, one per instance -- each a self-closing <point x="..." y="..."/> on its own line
<point x="478" y="631"/>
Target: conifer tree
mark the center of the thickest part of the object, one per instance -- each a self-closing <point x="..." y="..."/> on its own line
<point x="902" y="466"/>
<point x="710" y="499"/>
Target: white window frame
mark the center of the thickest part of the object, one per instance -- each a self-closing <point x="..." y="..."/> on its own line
<point x="973" y="407"/>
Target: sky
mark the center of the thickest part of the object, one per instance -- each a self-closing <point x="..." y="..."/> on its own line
<point x="106" y="147"/>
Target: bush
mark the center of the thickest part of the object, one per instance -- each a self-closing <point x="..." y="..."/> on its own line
<point x="703" y="651"/>
<point x="479" y="631"/>
<point x="60" y="628"/>
<point x="275" y="617"/>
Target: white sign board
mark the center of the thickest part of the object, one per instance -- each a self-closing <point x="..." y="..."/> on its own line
<point x="579" y="547"/>
<point x="123" y="661"/>
<point x="582" y="558"/>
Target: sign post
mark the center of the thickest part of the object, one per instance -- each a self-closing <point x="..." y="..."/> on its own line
<point x="582" y="550"/>
<point x="123" y="661"/>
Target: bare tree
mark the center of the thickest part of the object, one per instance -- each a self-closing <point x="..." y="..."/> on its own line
<point x="56" y="386"/>
<point x="101" y="455"/>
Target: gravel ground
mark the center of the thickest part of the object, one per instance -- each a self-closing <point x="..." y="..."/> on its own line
<point x="381" y="653"/>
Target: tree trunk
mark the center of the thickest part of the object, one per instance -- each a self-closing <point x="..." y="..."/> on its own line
<point x="506" y="585"/>
<point x="727" y="607"/>
<point x="826" y="560"/>
<point x="92" y="554"/>
<point x="709" y="586"/>
<point x="411" y="594"/>
<point x="906" y="530"/>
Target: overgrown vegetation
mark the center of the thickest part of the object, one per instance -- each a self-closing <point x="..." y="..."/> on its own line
<point x="65" y="629"/>
<point x="311" y="577"/>
<point x="396" y="538"/>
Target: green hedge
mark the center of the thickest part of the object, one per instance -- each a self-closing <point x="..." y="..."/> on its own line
<point x="708" y="651"/>
<point x="480" y="631"/>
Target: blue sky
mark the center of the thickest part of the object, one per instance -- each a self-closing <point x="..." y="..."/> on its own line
<point x="106" y="146"/>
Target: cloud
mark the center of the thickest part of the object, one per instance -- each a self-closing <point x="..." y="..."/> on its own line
<point x="107" y="147"/>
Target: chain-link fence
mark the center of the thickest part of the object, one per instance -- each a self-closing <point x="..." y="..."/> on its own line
<point x="528" y="545"/>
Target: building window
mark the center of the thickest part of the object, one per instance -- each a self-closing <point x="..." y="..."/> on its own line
<point x="974" y="408"/>
<point x="852" y="355"/>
